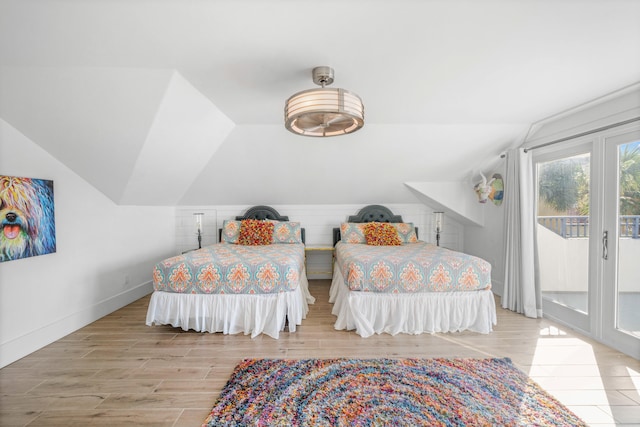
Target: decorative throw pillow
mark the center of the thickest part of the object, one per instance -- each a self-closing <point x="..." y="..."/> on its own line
<point x="406" y="232"/>
<point x="352" y="232"/>
<point x="286" y="232"/>
<point x="381" y="234"/>
<point x="254" y="232"/>
<point x="230" y="231"/>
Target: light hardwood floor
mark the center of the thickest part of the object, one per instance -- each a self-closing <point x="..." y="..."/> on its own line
<point x="118" y="371"/>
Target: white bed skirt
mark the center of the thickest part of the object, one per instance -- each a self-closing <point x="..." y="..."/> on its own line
<point x="370" y="312"/>
<point x="232" y="314"/>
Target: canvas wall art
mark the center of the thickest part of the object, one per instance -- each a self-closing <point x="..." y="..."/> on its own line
<point x="26" y="217"/>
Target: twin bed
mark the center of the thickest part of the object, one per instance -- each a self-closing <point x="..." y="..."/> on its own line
<point x="411" y="287"/>
<point x="237" y="286"/>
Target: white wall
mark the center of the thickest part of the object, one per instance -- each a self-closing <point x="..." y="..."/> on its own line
<point x="488" y="242"/>
<point x="186" y="232"/>
<point x="318" y="222"/>
<point x="616" y="107"/>
<point x="105" y="254"/>
<point x="629" y="273"/>
<point x="564" y="263"/>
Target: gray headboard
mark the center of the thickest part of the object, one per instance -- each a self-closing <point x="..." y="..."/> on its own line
<point x="375" y="213"/>
<point x="262" y="212"/>
<point x="371" y="213"/>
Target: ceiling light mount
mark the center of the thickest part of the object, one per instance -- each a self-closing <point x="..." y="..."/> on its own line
<point x="324" y="112"/>
<point x="322" y="76"/>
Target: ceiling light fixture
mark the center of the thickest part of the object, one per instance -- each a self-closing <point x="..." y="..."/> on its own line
<point x="324" y="112"/>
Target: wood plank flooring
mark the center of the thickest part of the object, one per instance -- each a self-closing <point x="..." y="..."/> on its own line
<point x="118" y="371"/>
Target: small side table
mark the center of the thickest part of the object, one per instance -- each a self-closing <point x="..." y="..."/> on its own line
<point x="319" y="248"/>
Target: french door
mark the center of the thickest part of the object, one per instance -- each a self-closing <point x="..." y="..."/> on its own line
<point x="564" y="234"/>
<point x="588" y="236"/>
<point x="621" y="243"/>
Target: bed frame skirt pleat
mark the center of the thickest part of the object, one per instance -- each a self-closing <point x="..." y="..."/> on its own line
<point x="232" y="314"/>
<point x="371" y="313"/>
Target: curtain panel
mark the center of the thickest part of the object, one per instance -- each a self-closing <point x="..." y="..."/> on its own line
<point x="520" y="291"/>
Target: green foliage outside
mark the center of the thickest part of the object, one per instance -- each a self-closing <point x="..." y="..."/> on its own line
<point x="563" y="185"/>
<point x="630" y="179"/>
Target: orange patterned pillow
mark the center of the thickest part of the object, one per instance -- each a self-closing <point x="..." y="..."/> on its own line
<point x="286" y="231"/>
<point x="254" y="232"/>
<point x="351" y="232"/>
<point x="381" y="234"/>
<point x="406" y="232"/>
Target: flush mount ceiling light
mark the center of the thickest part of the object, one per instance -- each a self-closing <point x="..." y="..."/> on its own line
<point x="324" y="111"/>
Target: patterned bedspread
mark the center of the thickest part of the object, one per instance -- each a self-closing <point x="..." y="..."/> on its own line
<point x="412" y="267"/>
<point x="227" y="268"/>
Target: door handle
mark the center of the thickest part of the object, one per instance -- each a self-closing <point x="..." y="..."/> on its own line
<point x="605" y="244"/>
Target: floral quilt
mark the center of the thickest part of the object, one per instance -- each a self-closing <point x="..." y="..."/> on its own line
<point x="227" y="268"/>
<point x="412" y="267"/>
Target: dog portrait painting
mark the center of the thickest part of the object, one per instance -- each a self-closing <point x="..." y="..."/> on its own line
<point x="26" y="217"/>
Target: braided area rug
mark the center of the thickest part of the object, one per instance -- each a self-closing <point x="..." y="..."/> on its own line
<point x="385" y="392"/>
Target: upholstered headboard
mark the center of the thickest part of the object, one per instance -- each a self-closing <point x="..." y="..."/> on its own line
<point x="262" y="212"/>
<point x="375" y="213"/>
<point x="371" y="213"/>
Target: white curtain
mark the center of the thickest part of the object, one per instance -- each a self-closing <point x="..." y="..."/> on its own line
<point x="520" y="294"/>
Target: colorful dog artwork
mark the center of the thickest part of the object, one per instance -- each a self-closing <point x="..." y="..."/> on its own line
<point x="26" y="217"/>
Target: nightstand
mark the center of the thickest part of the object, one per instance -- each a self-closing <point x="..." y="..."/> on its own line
<point x="319" y="248"/>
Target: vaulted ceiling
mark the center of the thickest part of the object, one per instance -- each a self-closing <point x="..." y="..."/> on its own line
<point x="174" y="102"/>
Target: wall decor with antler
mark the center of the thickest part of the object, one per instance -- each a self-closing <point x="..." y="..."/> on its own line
<point x="490" y="190"/>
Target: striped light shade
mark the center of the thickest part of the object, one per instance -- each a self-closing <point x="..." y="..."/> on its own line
<point x="324" y="111"/>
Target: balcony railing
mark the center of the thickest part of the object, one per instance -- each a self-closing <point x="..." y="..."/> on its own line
<point x="578" y="226"/>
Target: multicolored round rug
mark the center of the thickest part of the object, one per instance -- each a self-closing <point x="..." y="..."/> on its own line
<point x="385" y="392"/>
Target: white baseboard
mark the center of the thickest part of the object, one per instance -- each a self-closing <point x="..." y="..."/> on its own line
<point x="26" y="344"/>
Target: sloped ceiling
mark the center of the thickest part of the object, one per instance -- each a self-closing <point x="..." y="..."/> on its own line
<point x="174" y="102"/>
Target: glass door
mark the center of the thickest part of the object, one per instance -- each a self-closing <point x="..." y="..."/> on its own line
<point x="621" y="243"/>
<point x="563" y="234"/>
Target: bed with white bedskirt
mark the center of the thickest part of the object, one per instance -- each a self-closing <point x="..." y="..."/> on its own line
<point x="414" y="288"/>
<point x="232" y="288"/>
